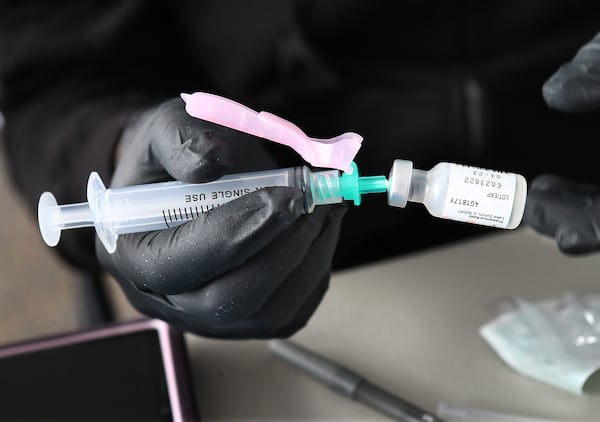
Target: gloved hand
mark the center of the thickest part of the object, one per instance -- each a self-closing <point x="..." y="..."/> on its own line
<point x="575" y="86"/>
<point x="252" y="268"/>
<point x="567" y="210"/>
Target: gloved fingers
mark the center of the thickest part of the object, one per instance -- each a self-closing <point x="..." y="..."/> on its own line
<point x="566" y="210"/>
<point x="285" y="313"/>
<point x="552" y="200"/>
<point x="166" y="143"/>
<point x="307" y="309"/>
<point x="265" y="325"/>
<point x="159" y="306"/>
<point x="575" y="86"/>
<point x="275" y="282"/>
<point x="186" y="257"/>
<point x="294" y="301"/>
<point x="189" y="149"/>
<point x="191" y="314"/>
<point x="544" y="210"/>
<point x="578" y="237"/>
<point x="196" y="151"/>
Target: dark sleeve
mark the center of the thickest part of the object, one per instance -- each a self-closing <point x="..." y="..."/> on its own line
<point x="72" y="74"/>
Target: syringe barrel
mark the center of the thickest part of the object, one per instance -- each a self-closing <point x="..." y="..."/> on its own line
<point x="159" y="206"/>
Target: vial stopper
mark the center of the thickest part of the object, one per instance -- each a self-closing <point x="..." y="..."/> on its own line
<point x="399" y="183"/>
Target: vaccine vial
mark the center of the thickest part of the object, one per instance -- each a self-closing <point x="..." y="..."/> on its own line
<point x="461" y="193"/>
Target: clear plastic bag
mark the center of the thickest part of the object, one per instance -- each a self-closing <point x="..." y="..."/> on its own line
<point x="555" y="341"/>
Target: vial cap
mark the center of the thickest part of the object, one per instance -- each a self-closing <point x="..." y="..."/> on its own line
<point x="399" y="187"/>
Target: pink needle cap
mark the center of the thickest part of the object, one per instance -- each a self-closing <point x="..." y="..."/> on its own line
<point x="337" y="152"/>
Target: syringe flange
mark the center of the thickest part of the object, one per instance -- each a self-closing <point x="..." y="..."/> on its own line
<point x="54" y="218"/>
<point x="96" y="194"/>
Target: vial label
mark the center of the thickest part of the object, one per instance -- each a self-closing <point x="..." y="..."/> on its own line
<point x="479" y="196"/>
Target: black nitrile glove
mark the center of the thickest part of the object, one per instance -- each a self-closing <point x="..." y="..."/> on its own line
<point x="564" y="209"/>
<point x="255" y="267"/>
<point x="575" y="86"/>
<point x="567" y="211"/>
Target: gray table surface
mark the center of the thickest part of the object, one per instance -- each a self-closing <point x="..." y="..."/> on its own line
<point x="410" y="325"/>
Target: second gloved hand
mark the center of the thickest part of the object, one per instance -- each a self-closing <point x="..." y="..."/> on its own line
<point x="557" y="207"/>
<point x="255" y="267"/>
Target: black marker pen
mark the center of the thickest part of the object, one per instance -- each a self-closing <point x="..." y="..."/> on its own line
<point x="348" y="383"/>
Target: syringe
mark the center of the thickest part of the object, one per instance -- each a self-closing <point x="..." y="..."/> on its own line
<point x="159" y="206"/>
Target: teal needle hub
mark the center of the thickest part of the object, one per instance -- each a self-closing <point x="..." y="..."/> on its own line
<point x="352" y="186"/>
